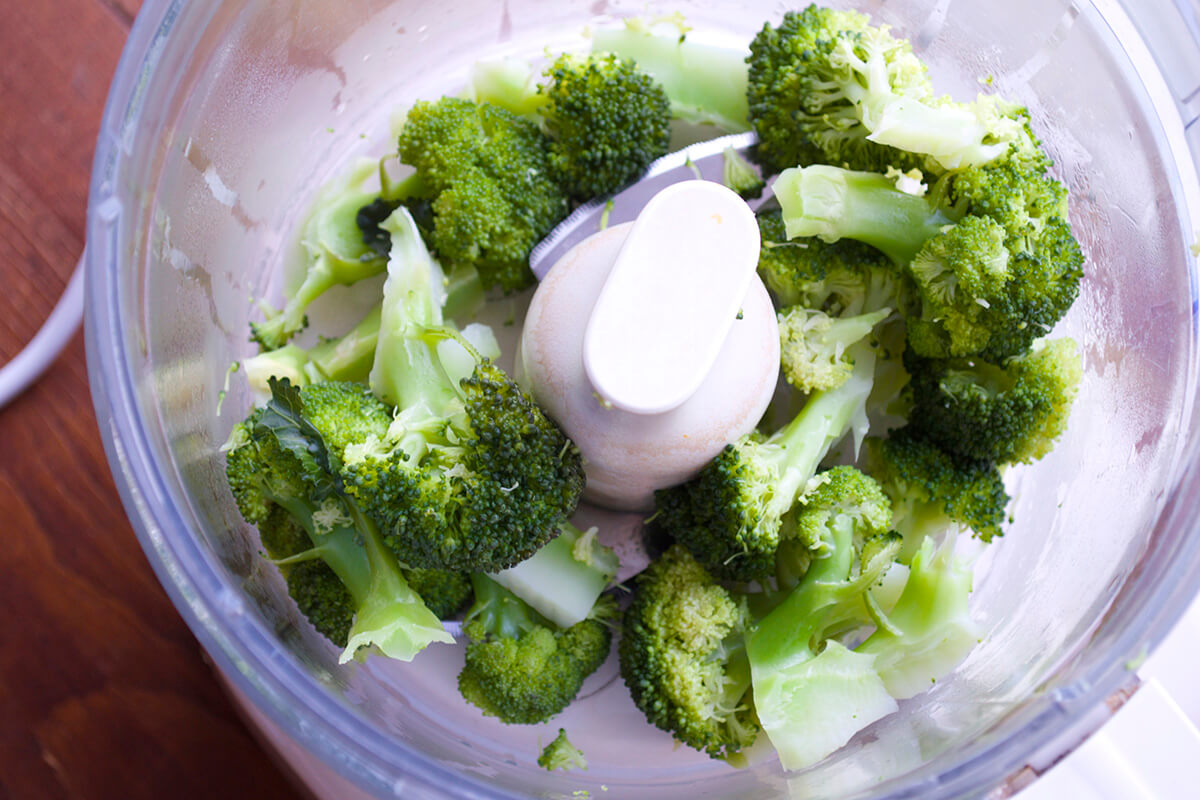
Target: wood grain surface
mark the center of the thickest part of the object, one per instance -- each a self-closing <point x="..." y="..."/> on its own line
<point x="103" y="691"/>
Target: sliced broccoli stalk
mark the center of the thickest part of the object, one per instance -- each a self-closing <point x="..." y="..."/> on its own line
<point x="834" y="203"/>
<point x="561" y="754"/>
<point x="509" y="83"/>
<point x="705" y="84"/>
<point x="730" y="514"/>
<point x="741" y="176"/>
<point x="815" y="348"/>
<point x="560" y="583"/>
<point x="683" y="659"/>
<point x="812" y="694"/>
<point x="519" y="666"/>
<point x="929" y="632"/>
<point x="337" y="255"/>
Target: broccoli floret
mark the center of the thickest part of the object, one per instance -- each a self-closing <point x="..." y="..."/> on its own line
<point x="826" y="86"/>
<point x="730" y="514"/>
<point x="561" y="754"/>
<point x="705" y="84"/>
<point x="741" y="176"/>
<point x="814" y="347"/>
<point x="278" y="460"/>
<point x="842" y="278"/>
<point x="812" y="693"/>
<point x="336" y="256"/>
<point x="1003" y="413"/>
<point x="487" y="174"/>
<point x="607" y="121"/>
<point x="683" y="659"/>
<point x="470" y="475"/>
<point x="519" y="666"/>
<point x="563" y="580"/>
<point x="445" y="593"/>
<point x="932" y="491"/>
<point x="990" y="249"/>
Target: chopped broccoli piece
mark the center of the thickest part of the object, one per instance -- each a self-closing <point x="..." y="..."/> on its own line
<point x="683" y="659"/>
<point x="741" y="176"/>
<point x="815" y="348"/>
<point x="1009" y="413"/>
<point x="932" y="490"/>
<point x="487" y="174"/>
<point x="445" y="593"/>
<point x="470" y="475"/>
<point x="812" y="693"/>
<point x="509" y="83"/>
<point x="826" y="86"/>
<point x="280" y="460"/>
<point x="520" y="667"/>
<point x="561" y="754"/>
<point x="607" y="121"/>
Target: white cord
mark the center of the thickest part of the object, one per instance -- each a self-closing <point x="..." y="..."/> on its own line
<point x="47" y="343"/>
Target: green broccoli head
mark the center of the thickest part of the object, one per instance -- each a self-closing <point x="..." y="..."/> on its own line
<point x="345" y="414"/>
<point x="845" y="277"/>
<point x="841" y="496"/>
<point x="519" y="667"/>
<point x="322" y="598"/>
<point x="487" y="174"/>
<point x="983" y="411"/>
<point x="485" y="489"/>
<point x="932" y="490"/>
<point x="813" y="346"/>
<point x="607" y="121"/>
<point x="814" y="77"/>
<point x="725" y="514"/>
<point x="682" y="658"/>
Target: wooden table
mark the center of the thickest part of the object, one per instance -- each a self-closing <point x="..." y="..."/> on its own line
<point x="103" y="691"/>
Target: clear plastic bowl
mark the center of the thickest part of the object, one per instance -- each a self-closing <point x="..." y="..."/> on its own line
<point x="224" y="117"/>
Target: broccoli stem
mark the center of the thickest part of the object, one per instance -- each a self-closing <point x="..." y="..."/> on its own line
<point x="500" y="612"/>
<point x="349" y="357"/>
<point x="826" y="417"/>
<point x="833" y="203"/>
<point x="556" y="583"/>
<point x="406" y="371"/>
<point x="705" y="84"/>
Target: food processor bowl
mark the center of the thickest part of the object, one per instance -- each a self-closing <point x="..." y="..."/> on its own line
<point x="226" y="115"/>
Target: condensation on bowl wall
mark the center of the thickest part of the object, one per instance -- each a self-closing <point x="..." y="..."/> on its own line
<point x="194" y="204"/>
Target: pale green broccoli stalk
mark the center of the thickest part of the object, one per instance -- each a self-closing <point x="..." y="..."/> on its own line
<point x="815" y="348"/>
<point x="337" y="255"/>
<point x="563" y="580"/>
<point x="1007" y="413"/>
<point x="705" y="84"/>
<point x="520" y="667"/>
<point x="509" y="83"/>
<point x="607" y="122"/>
<point x="346" y="358"/>
<point x="812" y="693"/>
<point x="730" y="514"/>
<point x="283" y="456"/>
<point x="683" y="659"/>
<point x="470" y="475"/>
<point x="929" y="632"/>
<point x="561" y="754"/>
<point x="741" y="176"/>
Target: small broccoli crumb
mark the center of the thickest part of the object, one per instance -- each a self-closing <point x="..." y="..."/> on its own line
<point x="1195" y="247"/>
<point x="584" y="548"/>
<point x="561" y="754"/>
<point x="608" y="207"/>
